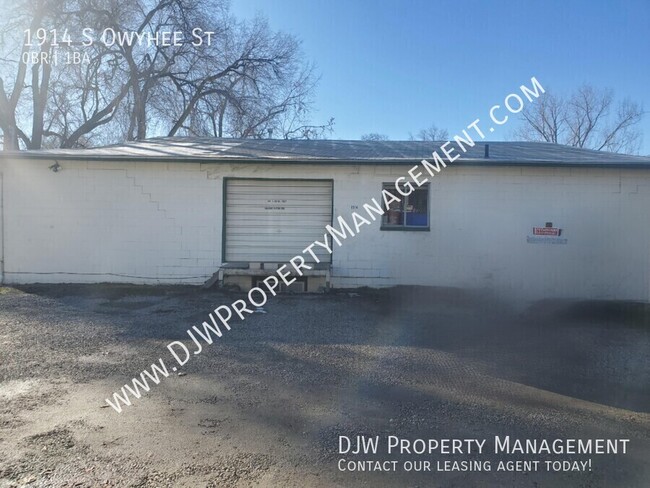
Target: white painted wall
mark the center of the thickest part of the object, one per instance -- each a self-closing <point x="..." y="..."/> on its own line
<point x="161" y="223"/>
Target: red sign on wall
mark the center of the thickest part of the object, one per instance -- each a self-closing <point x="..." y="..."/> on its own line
<point x="547" y="231"/>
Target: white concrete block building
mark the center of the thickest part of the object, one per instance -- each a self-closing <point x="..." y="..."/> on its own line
<point x="531" y="220"/>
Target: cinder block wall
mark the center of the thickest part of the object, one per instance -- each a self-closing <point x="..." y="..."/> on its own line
<point x="123" y="222"/>
<point x="480" y="218"/>
<point x="161" y="223"/>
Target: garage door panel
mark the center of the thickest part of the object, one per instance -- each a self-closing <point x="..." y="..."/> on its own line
<point x="280" y="212"/>
<point x="273" y="220"/>
<point x="288" y="184"/>
<point x="271" y="230"/>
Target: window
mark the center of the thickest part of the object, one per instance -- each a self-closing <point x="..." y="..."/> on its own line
<point x="411" y="213"/>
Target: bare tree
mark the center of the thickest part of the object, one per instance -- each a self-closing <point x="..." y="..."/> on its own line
<point x="13" y="73"/>
<point x="308" y="131"/>
<point x="248" y="81"/>
<point x="433" y="133"/>
<point x="589" y="118"/>
<point x="374" y="136"/>
<point x="257" y="86"/>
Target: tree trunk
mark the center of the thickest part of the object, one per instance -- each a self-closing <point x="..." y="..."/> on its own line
<point x="39" y="101"/>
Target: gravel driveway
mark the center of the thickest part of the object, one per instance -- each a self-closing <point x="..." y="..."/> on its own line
<point x="266" y="404"/>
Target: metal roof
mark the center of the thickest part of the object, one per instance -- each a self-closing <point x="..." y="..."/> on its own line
<point x="216" y="150"/>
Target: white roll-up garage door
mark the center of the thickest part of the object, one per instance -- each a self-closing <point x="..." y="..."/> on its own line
<point x="274" y="220"/>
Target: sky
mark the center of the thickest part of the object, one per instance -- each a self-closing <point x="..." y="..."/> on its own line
<point x="395" y="67"/>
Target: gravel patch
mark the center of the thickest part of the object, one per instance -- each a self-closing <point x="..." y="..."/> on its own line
<point x="265" y="405"/>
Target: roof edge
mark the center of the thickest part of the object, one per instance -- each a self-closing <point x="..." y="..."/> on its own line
<point x="27" y="155"/>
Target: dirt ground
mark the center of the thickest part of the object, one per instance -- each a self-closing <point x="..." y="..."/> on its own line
<point x="265" y="405"/>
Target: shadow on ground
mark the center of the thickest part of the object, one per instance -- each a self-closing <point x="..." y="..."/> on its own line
<point x="272" y="395"/>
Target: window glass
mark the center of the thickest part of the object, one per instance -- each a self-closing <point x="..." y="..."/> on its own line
<point x="412" y="212"/>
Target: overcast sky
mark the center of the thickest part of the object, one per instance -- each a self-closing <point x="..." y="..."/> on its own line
<point x="395" y="67"/>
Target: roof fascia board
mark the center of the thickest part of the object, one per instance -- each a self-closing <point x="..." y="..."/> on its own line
<point x="334" y="162"/>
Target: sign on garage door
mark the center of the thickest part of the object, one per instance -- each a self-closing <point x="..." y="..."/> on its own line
<point x="273" y="220"/>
